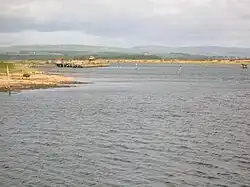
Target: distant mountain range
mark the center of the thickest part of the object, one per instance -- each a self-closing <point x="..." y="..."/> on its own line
<point x="203" y="50"/>
<point x="154" y="50"/>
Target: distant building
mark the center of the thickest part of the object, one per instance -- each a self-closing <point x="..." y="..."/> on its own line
<point x="146" y="54"/>
<point x="91" y="58"/>
<point x="59" y="61"/>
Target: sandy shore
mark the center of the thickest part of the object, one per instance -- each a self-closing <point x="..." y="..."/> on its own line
<point x="208" y="61"/>
<point x="35" y="81"/>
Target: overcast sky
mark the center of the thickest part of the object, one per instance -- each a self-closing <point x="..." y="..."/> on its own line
<point x="126" y="22"/>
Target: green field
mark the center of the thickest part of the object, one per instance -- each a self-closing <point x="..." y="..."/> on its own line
<point x="15" y="68"/>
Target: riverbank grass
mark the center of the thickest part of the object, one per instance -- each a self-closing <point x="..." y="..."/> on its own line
<point x="16" y="68"/>
<point x="36" y="79"/>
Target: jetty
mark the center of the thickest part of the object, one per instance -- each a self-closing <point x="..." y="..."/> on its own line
<point x="90" y="63"/>
<point x="80" y="65"/>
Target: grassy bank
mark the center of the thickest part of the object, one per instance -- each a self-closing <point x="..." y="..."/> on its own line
<point x="36" y="79"/>
<point x="16" y="68"/>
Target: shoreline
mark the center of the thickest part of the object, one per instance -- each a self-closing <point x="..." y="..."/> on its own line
<point x="201" y="62"/>
<point x="35" y="81"/>
<point x="17" y="76"/>
<point x="107" y="62"/>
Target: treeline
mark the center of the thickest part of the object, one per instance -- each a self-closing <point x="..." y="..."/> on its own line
<point x="121" y="56"/>
<point x="84" y="55"/>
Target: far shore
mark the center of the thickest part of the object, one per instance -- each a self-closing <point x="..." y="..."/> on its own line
<point x="156" y="61"/>
<point x="106" y="62"/>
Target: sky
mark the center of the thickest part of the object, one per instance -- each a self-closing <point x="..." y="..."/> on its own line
<point x="126" y="22"/>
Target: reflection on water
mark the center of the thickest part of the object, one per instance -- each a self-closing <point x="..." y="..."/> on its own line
<point x="144" y="127"/>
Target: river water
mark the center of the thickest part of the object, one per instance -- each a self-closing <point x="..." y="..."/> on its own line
<point x="144" y="127"/>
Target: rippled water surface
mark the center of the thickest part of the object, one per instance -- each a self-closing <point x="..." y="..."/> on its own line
<point x="144" y="127"/>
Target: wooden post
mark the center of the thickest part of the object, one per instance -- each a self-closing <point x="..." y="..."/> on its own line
<point x="62" y="67"/>
<point x="8" y="78"/>
<point x="179" y="71"/>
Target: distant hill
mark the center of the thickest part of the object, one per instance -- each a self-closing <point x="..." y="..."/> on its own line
<point x="162" y="51"/>
<point x="17" y="48"/>
<point x="203" y="50"/>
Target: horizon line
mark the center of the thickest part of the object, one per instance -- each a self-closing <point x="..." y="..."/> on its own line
<point x="133" y="46"/>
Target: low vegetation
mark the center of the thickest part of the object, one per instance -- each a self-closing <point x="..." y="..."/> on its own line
<point x="3" y="66"/>
<point x="16" y="68"/>
<point x="23" y="77"/>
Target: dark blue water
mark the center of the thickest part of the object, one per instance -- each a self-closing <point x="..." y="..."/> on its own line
<point x="144" y="127"/>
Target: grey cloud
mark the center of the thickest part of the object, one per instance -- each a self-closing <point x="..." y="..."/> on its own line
<point x="172" y="22"/>
<point x="13" y="24"/>
<point x="111" y="27"/>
